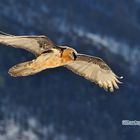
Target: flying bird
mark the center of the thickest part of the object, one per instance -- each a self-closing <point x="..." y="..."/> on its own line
<point x="49" y="55"/>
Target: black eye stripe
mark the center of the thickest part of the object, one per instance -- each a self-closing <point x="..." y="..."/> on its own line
<point x="48" y="51"/>
<point x="75" y="56"/>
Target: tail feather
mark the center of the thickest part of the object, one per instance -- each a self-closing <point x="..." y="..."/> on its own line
<point x="29" y="67"/>
<point x="22" y="69"/>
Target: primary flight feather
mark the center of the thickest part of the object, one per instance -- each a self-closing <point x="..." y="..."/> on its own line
<point x="48" y="55"/>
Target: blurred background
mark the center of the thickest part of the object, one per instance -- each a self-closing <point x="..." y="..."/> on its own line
<point x="57" y="104"/>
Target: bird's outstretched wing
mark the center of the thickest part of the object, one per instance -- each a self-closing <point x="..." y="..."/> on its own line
<point x="34" y="44"/>
<point x="95" y="70"/>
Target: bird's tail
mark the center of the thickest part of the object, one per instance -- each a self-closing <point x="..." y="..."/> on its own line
<point x="27" y="68"/>
<point x="23" y="69"/>
<point x="30" y="67"/>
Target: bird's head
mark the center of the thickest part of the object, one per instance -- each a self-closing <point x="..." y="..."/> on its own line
<point x="69" y="53"/>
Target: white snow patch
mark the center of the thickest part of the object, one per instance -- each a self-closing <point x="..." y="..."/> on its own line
<point x="13" y="130"/>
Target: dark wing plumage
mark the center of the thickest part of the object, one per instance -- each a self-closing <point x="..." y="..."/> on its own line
<point x="95" y="70"/>
<point x="34" y="44"/>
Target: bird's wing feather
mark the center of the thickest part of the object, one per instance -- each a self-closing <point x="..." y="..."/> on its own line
<point x="95" y="70"/>
<point x="34" y="44"/>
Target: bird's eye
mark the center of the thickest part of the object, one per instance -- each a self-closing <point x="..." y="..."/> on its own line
<point x="74" y="55"/>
